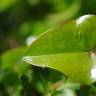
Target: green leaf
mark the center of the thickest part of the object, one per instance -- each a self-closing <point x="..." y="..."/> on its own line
<point x="5" y="4"/>
<point x="55" y="39"/>
<point x="62" y="12"/>
<point x="68" y="48"/>
<point x="12" y="60"/>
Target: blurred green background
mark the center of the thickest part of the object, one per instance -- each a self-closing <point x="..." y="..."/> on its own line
<point x="21" y="22"/>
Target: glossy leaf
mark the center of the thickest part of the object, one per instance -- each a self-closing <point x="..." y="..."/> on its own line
<point x="68" y="48"/>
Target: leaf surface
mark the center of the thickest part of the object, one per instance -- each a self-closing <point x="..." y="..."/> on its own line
<point x="68" y="47"/>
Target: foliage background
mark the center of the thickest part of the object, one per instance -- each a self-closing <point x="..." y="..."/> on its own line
<point x="20" y="22"/>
